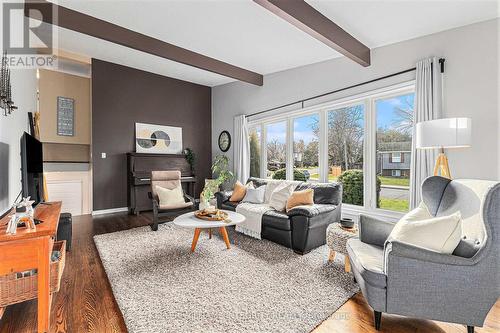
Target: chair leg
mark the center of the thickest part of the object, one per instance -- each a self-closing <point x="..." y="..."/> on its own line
<point x="378" y="319"/>
<point x="470" y="329"/>
<point x="154" y="226"/>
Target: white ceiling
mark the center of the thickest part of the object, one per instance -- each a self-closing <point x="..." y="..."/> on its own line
<point x="244" y="34"/>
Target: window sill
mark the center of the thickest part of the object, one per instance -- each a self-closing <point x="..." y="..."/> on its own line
<point x="353" y="211"/>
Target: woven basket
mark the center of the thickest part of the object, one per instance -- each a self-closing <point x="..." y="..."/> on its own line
<point x="14" y="290"/>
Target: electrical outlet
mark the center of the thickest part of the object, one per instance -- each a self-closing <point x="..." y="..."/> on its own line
<point x="103" y="155"/>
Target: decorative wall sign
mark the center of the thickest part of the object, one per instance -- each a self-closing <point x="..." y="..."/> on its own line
<point x="65" y="116"/>
<point x="158" y="139"/>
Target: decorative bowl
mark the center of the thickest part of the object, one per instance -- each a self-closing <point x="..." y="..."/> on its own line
<point x="347" y="223"/>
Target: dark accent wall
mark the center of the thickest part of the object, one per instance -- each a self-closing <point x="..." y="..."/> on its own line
<point x="122" y="96"/>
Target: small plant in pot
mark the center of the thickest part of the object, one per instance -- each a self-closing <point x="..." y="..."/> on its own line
<point x="190" y="158"/>
<point x="222" y="175"/>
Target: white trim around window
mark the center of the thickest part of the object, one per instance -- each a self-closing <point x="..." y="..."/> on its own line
<point x="368" y="99"/>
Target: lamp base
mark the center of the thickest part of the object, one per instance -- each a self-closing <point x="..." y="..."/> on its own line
<point x="442" y="166"/>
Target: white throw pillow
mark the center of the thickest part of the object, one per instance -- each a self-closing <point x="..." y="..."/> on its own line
<point x="440" y="234"/>
<point x="255" y="195"/>
<point x="280" y="196"/>
<point x="169" y="197"/>
<point x="270" y="187"/>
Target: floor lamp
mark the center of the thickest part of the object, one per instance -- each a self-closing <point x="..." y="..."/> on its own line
<point x="441" y="134"/>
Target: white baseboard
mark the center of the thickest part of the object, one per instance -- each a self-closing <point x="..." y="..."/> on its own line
<point x="110" y="211"/>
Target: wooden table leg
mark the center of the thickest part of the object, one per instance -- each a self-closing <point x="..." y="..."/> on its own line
<point x="347" y="265"/>
<point x="331" y="256"/>
<point x="195" y="238"/>
<point x="209" y="233"/>
<point x="223" y="232"/>
<point x="43" y="285"/>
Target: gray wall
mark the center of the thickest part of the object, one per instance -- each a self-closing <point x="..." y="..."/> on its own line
<point x="122" y="96"/>
<point x="470" y="88"/>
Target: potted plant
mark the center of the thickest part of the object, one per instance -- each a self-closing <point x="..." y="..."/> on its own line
<point x="190" y="158"/>
<point x="221" y="174"/>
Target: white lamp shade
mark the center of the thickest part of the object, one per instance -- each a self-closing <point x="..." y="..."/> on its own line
<point x="444" y="133"/>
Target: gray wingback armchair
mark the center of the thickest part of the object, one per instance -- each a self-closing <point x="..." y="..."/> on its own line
<point x="402" y="279"/>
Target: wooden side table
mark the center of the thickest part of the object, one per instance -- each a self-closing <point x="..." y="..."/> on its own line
<point x="29" y="249"/>
<point x="336" y="239"/>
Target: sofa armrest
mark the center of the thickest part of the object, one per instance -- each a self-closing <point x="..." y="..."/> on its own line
<point x="374" y="231"/>
<point x="222" y="196"/>
<point x="311" y="211"/>
<point x="408" y="251"/>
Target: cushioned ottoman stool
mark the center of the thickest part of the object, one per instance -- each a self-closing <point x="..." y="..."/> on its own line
<point x="336" y="239"/>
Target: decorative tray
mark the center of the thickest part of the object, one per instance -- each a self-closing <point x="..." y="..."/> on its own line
<point x="218" y="215"/>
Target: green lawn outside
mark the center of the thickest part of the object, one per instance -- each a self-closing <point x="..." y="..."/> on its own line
<point x="394" y="181"/>
<point x="394" y="204"/>
<point x="330" y="177"/>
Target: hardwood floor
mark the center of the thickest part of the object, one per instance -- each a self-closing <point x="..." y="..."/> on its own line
<point x="85" y="302"/>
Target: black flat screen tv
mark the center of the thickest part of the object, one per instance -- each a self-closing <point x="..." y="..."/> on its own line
<point x="32" y="168"/>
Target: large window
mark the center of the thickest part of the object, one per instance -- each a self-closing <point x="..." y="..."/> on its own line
<point x="393" y="150"/>
<point x="255" y="156"/>
<point x="364" y="142"/>
<point x="345" y="150"/>
<point x="276" y="150"/>
<point x="306" y="148"/>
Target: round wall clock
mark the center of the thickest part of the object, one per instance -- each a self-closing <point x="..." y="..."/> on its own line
<point x="224" y="141"/>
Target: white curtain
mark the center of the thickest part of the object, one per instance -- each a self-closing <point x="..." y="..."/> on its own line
<point x="428" y="106"/>
<point x="241" y="149"/>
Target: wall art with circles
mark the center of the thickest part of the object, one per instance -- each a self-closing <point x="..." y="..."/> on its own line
<point x="158" y="139"/>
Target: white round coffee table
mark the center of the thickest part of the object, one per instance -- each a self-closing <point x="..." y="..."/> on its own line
<point x="188" y="220"/>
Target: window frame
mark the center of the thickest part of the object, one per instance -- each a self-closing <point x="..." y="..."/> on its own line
<point x="369" y="100"/>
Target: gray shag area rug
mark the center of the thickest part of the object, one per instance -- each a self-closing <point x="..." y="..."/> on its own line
<point x="256" y="286"/>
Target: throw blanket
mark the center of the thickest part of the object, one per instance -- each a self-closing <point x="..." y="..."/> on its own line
<point x="252" y="226"/>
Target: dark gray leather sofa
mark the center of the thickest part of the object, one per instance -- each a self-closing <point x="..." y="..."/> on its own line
<point x="301" y="229"/>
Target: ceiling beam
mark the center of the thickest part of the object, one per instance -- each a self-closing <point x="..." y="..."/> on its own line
<point x="306" y="18"/>
<point x="89" y="25"/>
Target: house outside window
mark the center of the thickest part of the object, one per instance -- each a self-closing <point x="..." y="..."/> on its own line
<point x="396" y="157"/>
<point x="396" y="173"/>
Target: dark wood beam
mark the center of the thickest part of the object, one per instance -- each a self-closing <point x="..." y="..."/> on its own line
<point x="306" y="18"/>
<point x="89" y="25"/>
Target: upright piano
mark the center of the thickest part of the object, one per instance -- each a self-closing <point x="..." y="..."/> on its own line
<point x="139" y="177"/>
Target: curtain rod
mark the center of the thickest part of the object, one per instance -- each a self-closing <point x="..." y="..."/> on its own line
<point x="441" y="62"/>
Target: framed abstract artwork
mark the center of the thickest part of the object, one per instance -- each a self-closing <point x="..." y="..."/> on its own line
<point x="158" y="139"/>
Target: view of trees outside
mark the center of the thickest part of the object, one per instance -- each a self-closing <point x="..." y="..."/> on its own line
<point x="394" y="137"/>
<point x="275" y="147"/>
<point x="306" y="146"/>
<point x="345" y="140"/>
<point x="254" y="137"/>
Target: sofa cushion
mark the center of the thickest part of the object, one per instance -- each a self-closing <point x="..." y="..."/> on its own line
<point x="255" y="195"/>
<point x="311" y="211"/>
<point x="229" y="205"/>
<point x="276" y="220"/>
<point x="440" y="234"/>
<point x="300" y="198"/>
<point x="239" y="191"/>
<point x="170" y="197"/>
<point x="270" y="187"/>
<point x="280" y="196"/>
<point x="324" y="193"/>
<point x="368" y="260"/>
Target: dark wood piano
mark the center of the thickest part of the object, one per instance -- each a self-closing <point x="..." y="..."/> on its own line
<point x="139" y="177"/>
